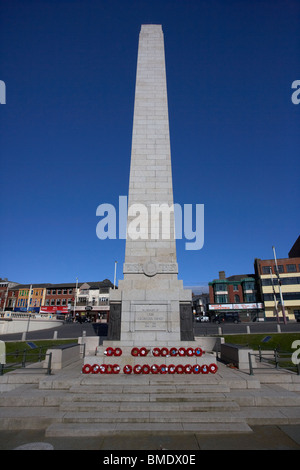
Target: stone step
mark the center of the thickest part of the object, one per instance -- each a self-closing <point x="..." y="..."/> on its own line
<point x="131" y="407"/>
<point x="152" y="388"/>
<point x="100" y="429"/>
<point x="151" y="417"/>
<point x="261" y="415"/>
<point x="146" y="397"/>
<point x="39" y="417"/>
<point x="275" y="396"/>
<point x="31" y="397"/>
<point x="149" y="379"/>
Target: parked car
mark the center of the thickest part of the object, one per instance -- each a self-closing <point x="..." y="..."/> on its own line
<point x="227" y="317"/>
<point x="202" y="318"/>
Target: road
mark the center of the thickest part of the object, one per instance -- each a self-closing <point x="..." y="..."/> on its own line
<point x="75" y="330"/>
<point x="65" y="331"/>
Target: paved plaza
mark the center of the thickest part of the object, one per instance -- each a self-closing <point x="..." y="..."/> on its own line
<point x="283" y="437"/>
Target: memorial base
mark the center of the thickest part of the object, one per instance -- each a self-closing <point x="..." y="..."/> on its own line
<point x="119" y="354"/>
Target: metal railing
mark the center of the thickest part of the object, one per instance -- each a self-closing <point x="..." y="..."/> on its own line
<point x="273" y="359"/>
<point x="26" y="360"/>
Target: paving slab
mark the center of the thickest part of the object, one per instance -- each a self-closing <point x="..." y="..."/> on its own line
<point x="285" y="437"/>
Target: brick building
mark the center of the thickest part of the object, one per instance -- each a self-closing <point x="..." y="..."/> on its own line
<point x="59" y="298"/>
<point x="5" y="286"/>
<point x="236" y="294"/>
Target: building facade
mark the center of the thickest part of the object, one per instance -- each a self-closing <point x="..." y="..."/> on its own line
<point x="5" y="286"/>
<point x="28" y="297"/>
<point x="92" y="300"/>
<point x="235" y="294"/>
<point x="59" y="298"/>
<point x="77" y="299"/>
<point x="200" y="304"/>
<point x="279" y="287"/>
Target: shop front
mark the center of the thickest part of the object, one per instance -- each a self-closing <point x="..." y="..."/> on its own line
<point x="247" y="312"/>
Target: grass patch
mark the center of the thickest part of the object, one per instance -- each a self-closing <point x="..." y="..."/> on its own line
<point x="280" y="341"/>
<point x="15" y="350"/>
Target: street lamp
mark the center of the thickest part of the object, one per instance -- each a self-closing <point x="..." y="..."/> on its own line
<point x="274" y="296"/>
<point x="279" y="284"/>
<point x="115" y="274"/>
<point x="75" y="298"/>
<point x="29" y="313"/>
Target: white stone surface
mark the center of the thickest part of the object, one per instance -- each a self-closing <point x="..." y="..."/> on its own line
<point x="150" y="292"/>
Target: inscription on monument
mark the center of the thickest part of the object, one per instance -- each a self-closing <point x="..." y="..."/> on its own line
<point x="150" y="269"/>
<point x="151" y="317"/>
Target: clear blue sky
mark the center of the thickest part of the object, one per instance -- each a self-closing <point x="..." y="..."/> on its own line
<point x="69" y="68"/>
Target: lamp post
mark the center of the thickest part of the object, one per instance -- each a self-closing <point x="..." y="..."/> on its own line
<point x="274" y="296"/>
<point x="116" y="262"/>
<point x="29" y="313"/>
<point x="5" y="298"/>
<point x="279" y="284"/>
<point x="75" y="299"/>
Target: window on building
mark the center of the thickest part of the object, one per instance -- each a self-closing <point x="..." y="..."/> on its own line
<point x="297" y="314"/>
<point x="250" y="298"/>
<point x="48" y="291"/>
<point x="235" y="288"/>
<point x="291" y="268"/>
<point x="284" y="281"/>
<point x="58" y="302"/>
<point x="65" y="291"/>
<point x="249" y="285"/>
<point x="286" y="296"/>
<point x="58" y="291"/>
<point x="236" y="298"/>
<point x="47" y="302"/>
<point x="266" y="269"/>
<point x="52" y="302"/>
<point x="70" y="291"/>
<point x="220" y="287"/>
<point x="280" y="268"/>
<point x="64" y="302"/>
<point x="53" y="291"/>
<point x="221" y="299"/>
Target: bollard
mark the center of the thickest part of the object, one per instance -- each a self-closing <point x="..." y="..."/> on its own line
<point x="248" y="329"/>
<point x="220" y="331"/>
<point x="55" y="335"/>
<point x="2" y="353"/>
<point x="49" y="364"/>
<point x="250" y="364"/>
<point x="278" y="329"/>
<point x="24" y="358"/>
<point x="276" y="358"/>
<point x="24" y="336"/>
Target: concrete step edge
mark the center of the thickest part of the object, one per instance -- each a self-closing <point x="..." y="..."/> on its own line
<point x="68" y="429"/>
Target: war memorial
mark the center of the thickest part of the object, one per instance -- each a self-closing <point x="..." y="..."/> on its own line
<point x="150" y="310"/>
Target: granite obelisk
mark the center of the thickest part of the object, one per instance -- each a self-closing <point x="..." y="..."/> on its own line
<point x="150" y="306"/>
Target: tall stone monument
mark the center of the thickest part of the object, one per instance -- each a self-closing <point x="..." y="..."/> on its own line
<point x="150" y="305"/>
